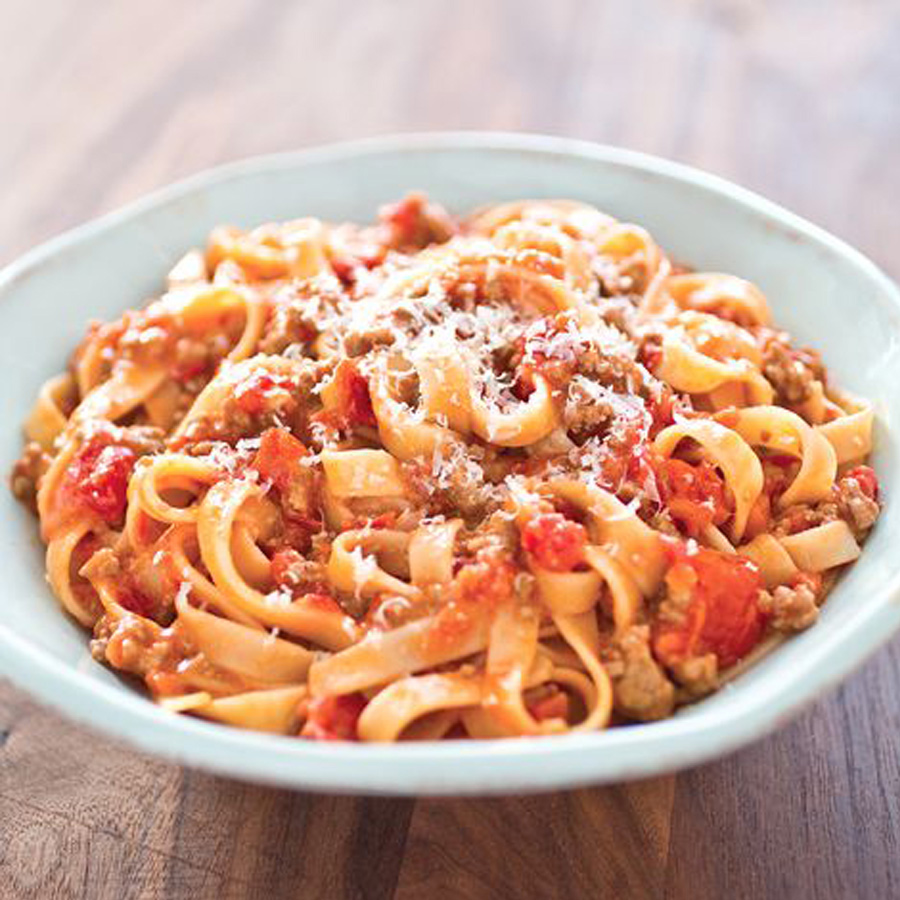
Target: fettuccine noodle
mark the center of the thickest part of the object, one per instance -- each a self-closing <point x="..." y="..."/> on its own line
<point x="511" y="474"/>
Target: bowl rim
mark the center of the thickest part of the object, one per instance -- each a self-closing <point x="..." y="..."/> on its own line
<point x="481" y="767"/>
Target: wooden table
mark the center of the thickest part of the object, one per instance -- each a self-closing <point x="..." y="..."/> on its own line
<point x="799" y="99"/>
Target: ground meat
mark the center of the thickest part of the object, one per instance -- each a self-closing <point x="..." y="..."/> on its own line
<point x="359" y="343"/>
<point x="640" y="687"/>
<point x="228" y="428"/>
<point x="142" y="335"/>
<point x="790" y="608"/>
<point x="626" y="278"/>
<point x="698" y="675"/>
<point x="288" y="326"/>
<point x="304" y="576"/>
<point x="297" y="320"/>
<point x="452" y="483"/>
<point x="558" y="351"/>
<point x="848" y="502"/>
<point x="616" y="370"/>
<point x="414" y="223"/>
<point x="201" y="448"/>
<point x="661" y="520"/>
<point x="142" y="439"/>
<point x="28" y="470"/>
<point x="802" y="516"/>
<point x="791" y="373"/>
<point x="364" y="323"/>
<point x="206" y="432"/>
<point x="854" y="506"/>
<point x="129" y="643"/>
<point x="248" y="412"/>
<point x="102" y="564"/>
<point x="621" y="313"/>
<point x="586" y="411"/>
<point x="674" y="605"/>
<point x="498" y="532"/>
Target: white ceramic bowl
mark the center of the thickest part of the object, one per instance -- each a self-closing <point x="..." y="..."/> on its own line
<point x="823" y="291"/>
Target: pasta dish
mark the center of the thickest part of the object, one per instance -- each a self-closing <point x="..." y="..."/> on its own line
<point x="515" y="473"/>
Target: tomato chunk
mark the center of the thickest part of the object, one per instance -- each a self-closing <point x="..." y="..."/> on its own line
<point x="334" y="718"/>
<point x="278" y="457"/>
<point x="867" y="480"/>
<point x="354" y="401"/>
<point x="651" y="354"/>
<point x="695" y="495"/>
<point x="95" y="482"/>
<point x="103" y="480"/>
<point x="554" y="542"/>
<point x="717" y="597"/>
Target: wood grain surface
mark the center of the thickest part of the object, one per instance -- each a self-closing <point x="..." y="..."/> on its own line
<point x="800" y="99"/>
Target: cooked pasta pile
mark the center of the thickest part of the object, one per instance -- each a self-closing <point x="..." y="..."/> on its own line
<point x="513" y="474"/>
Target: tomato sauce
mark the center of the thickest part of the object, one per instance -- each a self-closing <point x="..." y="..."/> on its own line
<point x="554" y="706"/>
<point x="334" y="718"/>
<point x="554" y="542"/>
<point x="695" y="495"/>
<point x="478" y="589"/>
<point x="263" y="390"/>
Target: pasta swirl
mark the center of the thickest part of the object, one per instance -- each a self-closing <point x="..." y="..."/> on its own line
<point x="511" y="474"/>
